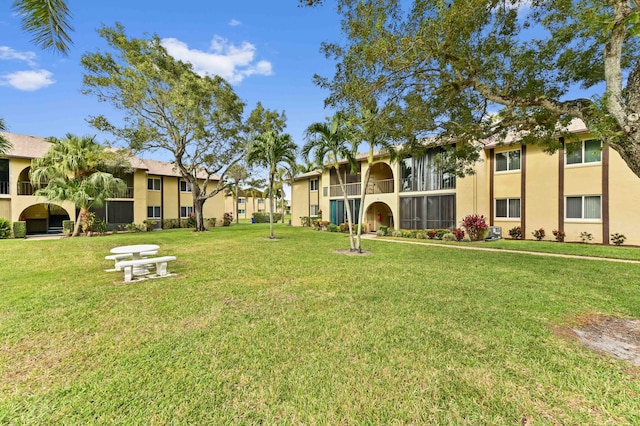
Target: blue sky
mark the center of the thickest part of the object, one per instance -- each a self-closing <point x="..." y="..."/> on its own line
<point x="268" y="50"/>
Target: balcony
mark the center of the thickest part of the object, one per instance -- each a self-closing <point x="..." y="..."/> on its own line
<point x="127" y="193"/>
<point x="381" y="186"/>
<point x="353" y="189"/>
<point x="25" y="188"/>
<point x="4" y="188"/>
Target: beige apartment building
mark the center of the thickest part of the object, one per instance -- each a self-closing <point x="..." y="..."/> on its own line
<point x="155" y="191"/>
<point x="582" y="188"/>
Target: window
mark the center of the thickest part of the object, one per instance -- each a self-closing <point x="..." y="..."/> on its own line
<point x="584" y="207"/>
<point x="507" y="161"/>
<point x="428" y="212"/>
<point x="325" y="191"/>
<point x="260" y="201"/>
<point x="241" y="200"/>
<point x="426" y="173"/>
<point x="313" y="185"/>
<point x="153" y="184"/>
<point x="584" y="152"/>
<point x="508" y="208"/>
<point x="186" y="212"/>
<point x="153" y="212"/>
<point x="240" y="211"/>
<point x="313" y="210"/>
<point x="185" y="186"/>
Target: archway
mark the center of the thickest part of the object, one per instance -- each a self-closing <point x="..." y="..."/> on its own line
<point x="378" y="214"/>
<point x="44" y="218"/>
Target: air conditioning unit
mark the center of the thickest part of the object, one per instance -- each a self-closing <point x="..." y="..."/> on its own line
<point x="495" y="233"/>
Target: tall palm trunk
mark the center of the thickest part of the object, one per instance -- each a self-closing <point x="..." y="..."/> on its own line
<point x="271" y="206"/>
<point x="236" y="205"/>
<point x="347" y="207"/>
<point x="363" y="193"/>
<point x="82" y="217"/>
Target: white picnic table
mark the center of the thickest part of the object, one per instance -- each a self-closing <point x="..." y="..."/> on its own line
<point x="136" y="253"/>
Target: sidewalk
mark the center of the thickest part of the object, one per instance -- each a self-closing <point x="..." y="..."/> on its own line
<point x="533" y="253"/>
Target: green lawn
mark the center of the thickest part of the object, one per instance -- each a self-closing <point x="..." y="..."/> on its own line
<point x="290" y="332"/>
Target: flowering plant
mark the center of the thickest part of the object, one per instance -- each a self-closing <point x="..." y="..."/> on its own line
<point x="475" y="226"/>
<point x="516" y="233"/>
<point x="538" y="234"/>
<point x="559" y="235"/>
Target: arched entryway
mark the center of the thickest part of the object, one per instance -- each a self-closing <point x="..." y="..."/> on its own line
<point x="378" y="214"/>
<point x="44" y="218"/>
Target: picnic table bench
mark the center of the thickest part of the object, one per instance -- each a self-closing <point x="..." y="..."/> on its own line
<point x="130" y="265"/>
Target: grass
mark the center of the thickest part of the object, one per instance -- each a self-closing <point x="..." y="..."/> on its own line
<point x="289" y="332"/>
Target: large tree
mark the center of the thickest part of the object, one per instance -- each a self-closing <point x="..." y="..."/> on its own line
<point x="5" y="145"/>
<point x="237" y="174"/>
<point x="79" y="170"/>
<point x="269" y="150"/>
<point x="167" y="106"/>
<point x="467" y="70"/>
<point x="332" y="143"/>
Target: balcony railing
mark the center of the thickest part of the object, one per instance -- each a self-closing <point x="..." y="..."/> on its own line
<point x="25" y="188"/>
<point x="352" y="189"/>
<point x="4" y="187"/>
<point x="410" y="184"/>
<point x="127" y="193"/>
<point x="384" y="186"/>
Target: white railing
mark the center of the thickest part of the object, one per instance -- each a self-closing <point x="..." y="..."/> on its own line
<point x="352" y="189"/>
<point x="383" y="186"/>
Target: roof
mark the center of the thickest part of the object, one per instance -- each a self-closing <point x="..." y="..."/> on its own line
<point x="310" y="174"/>
<point x="575" y="126"/>
<point x="24" y="146"/>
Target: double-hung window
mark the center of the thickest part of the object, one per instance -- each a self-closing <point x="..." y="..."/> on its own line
<point x="507" y="161"/>
<point x="241" y="200"/>
<point x="587" y="207"/>
<point x="313" y="185"/>
<point x="185" y="186"/>
<point x="584" y="152"/>
<point x="186" y="212"/>
<point x="508" y="208"/>
<point x="313" y="210"/>
<point x="153" y="184"/>
<point x="153" y="212"/>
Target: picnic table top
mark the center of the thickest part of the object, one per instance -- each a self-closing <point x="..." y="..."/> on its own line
<point x="138" y="248"/>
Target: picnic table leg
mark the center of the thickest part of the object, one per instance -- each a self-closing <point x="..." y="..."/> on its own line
<point x="128" y="273"/>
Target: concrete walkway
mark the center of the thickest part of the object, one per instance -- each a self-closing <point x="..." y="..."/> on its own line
<point x="532" y="253"/>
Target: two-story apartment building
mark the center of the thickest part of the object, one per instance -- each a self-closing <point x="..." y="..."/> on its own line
<point x="582" y="188"/>
<point x="155" y="191"/>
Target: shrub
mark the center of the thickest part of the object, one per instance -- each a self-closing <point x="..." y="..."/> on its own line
<point x="475" y="225"/>
<point x="440" y="233"/>
<point x="380" y="233"/>
<point x="538" y="234"/>
<point x="409" y="233"/>
<point x="67" y="227"/>
<point x="150" y="224"/>
<point x="263" y="217"/>
<point x="397" y="234"/>
<point x="170" y="223"/>
<point x="466" y="239"/>
<point x="384" y="230"/>
<point x="344" y="227"/>
<point x="99" y="225"/>
<point x="516" y="233"/>
<point x="422" y="235"/>
<point x="227" y="219"/>
<point x="332" y="227"/>
<point x="211" y="222"/>
<point x="618" y="239"/>
<point x="585" y="237"/>
<point x="559" y="235"/>
<point x="449" y="237"/>
<point x="432" y="233"/>
<point x="5" y="229"/>
<point x="20" y="229"/>
<point x="305" y="220"/>
<point x="134" y="227"/>
<point x="459" y="234"/>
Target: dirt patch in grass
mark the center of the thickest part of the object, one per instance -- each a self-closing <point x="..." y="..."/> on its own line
<point x="619" y="337"/>
<point x="353" y="253"/>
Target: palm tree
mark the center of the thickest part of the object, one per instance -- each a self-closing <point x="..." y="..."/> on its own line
<point x="5" y="145"/>
<point x="269" y="150"/>
<point x="237" y="173"/>
<point x="255" y="188"/>
<point x="47" y="21"/>
<point x="368" y="126"/>
<point x="79" y="170"/>
<point x="330" y="144"/>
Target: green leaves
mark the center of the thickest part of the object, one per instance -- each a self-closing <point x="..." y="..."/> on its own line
<point x="47" y="21"/>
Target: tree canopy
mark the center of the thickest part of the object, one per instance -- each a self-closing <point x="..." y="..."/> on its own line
<point x="468" y="70"/>
<point x="167" y="106"/>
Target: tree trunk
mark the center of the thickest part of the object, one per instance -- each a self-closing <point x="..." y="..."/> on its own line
<point x="197" y="211"/>
<point x="236" y="204"/>
<point x="347" y="207"/>
<point x="271" y="206"/>
<point x="363" y="194"/>
<point x="79" y="220"/>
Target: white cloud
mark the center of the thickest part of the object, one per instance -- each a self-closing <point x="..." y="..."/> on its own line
<point x="7" y="53"/>
<point x="28" y="80"/>
<point x="229" y="61"/>
<point x="234" y="23"/>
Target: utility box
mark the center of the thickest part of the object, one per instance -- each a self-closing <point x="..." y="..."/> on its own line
<point x="495" y="233"/>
